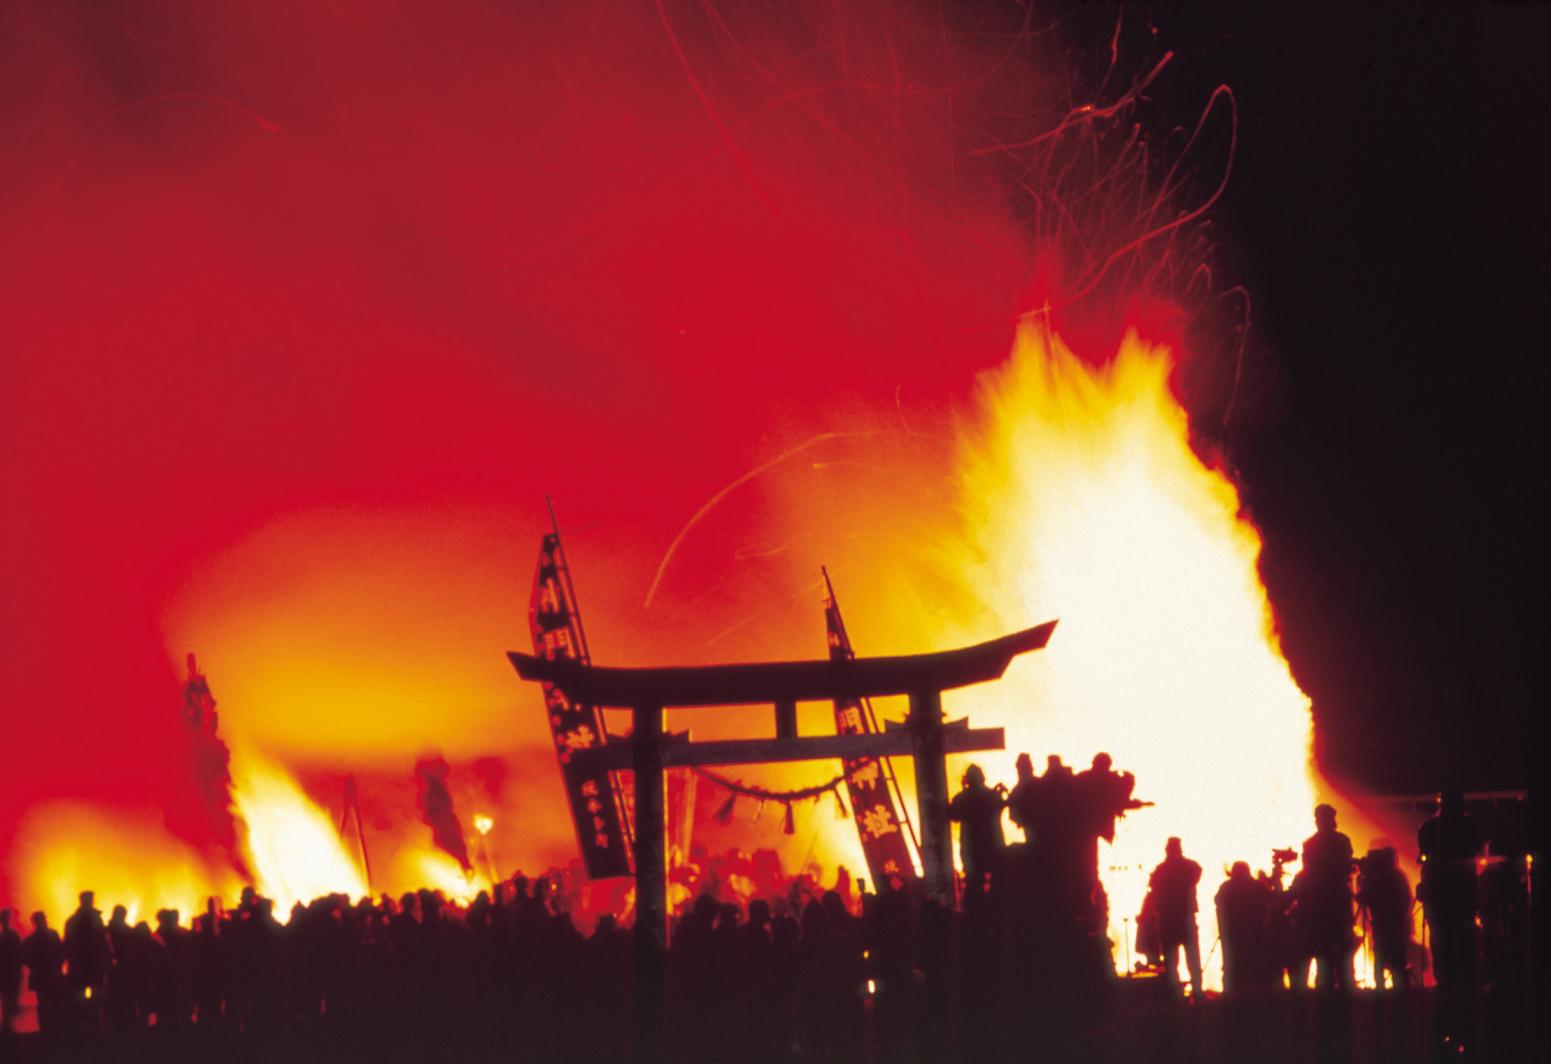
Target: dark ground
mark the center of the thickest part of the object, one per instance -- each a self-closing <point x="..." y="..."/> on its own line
<point x="1141" y="1025"/>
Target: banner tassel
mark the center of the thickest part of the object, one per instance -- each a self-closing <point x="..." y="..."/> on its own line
<point x="791" y="825"/>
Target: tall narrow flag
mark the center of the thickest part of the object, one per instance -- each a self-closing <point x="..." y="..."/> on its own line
<point x="594" y="799"/>
<point x="869" y="781"/>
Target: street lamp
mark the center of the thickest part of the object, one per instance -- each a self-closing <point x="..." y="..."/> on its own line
<point x="483" y="824"/>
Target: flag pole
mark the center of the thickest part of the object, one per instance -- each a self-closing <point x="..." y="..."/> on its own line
<point x="565" y="574"/>
<point x="872" y="720"/>
<point x="563" y="569"/>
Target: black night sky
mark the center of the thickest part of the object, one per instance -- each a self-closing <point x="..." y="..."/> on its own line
<point x="1389" y="214"/>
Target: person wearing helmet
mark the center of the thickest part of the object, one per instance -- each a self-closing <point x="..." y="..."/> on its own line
<point x="977" y="809"/>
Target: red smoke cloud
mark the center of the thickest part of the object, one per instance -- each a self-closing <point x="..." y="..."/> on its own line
<point x="308" y="306"/>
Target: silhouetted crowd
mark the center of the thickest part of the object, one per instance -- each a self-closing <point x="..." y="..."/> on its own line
<point x="766" y="967"/>
<point x="415" y="969"/>
<point x="1054" y="913"/>
<point x="777" y="978"/>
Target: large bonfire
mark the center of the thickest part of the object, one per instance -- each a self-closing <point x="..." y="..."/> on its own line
<point x="1082" y="499"/>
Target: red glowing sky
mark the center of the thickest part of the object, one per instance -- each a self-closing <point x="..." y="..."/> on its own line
<point x="300" y="295"/>
<point x="426" y="265"/>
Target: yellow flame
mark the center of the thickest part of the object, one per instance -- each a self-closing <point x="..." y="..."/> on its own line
<point x="295" y="850"/>
<point x="1083" y="500"/>
<point x="423" y="866"/>
<point x="292" y="847"/>
<point x="125" y="855"/>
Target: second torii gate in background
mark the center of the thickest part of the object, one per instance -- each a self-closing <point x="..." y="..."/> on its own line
<point x="925" y="736"/>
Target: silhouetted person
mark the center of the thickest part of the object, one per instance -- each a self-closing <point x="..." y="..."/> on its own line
<point x="44" y="955"/>
<point x="1325" y="901"/>
<point x="761" y="995"/>
<point x="891" y="938"/>
<point x="1384" y="893"/>
<point x="977" y="809"/>
<point x="1503" y="893"/>
<point x="1149" y="941"/>
<point x="843" y="888"/>
<point x="1243" y="904"/>
<point x="10" y="971"/>
<point x="208" y="966"/>
<point x="827" y="987"/>
<point x="171" y="972"/>
<point x="1173" y="889"/>
<point x="1020" y="803"/>
<point x="1108" y="795"/>
<point x="1449" y="844"/>
<point x="119" y="997"/>
<point x="1055" y="808"/>
<point x="1287" y="960"/>
<point x="1100" y="796"/>
<point x="142" y="945"/>
<point x="786" y="977"/>
<point x="238" y="953"/>
<point x="936" y="997"/>
<point x="266" y="964"/>
<point x="86" y="954"/>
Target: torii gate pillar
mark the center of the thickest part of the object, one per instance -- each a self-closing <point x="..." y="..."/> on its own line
<point x="926" y="749"/>
<point x="926" y="737"/>
<point x="651" y="879"/>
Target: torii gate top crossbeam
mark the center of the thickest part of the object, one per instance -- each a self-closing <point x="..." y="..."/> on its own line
<point x="678" y="752"/>
<point x="783" y="681"/>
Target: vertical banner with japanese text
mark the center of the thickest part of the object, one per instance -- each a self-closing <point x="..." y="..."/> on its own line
<point x="593" y="796"/>
<point x="868" y="781"/>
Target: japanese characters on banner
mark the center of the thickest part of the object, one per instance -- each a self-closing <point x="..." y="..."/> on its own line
<point x="877" y="817"/>
<point x="594" y="800"/>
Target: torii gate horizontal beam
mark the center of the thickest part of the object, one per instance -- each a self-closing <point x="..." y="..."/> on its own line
<point x="783" y="681"/>
<point x="677" y="752"/>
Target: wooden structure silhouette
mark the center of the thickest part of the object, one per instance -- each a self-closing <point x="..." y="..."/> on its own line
<point x="647" y="692"/>
<point x="351" y="808"/>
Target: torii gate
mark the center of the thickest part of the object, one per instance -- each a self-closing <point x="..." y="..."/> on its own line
<point x="925" y="736"/>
